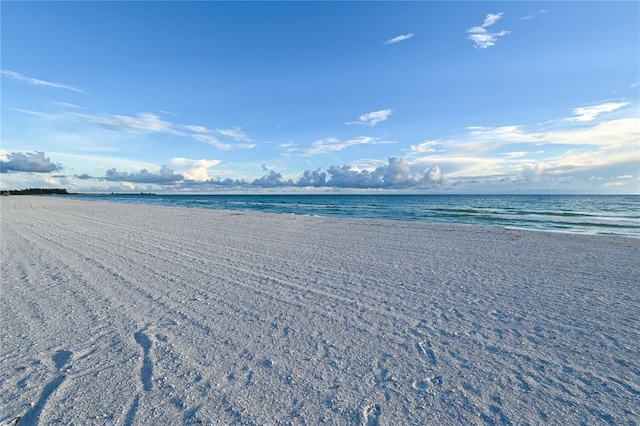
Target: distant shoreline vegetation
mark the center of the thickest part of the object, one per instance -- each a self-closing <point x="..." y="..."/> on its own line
<point x="36" y="191"/>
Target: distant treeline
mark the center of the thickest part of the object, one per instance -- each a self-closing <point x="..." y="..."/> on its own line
<point x="35" y="191"/>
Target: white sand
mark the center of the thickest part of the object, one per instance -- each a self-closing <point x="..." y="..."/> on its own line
<point x="123" y="314"/>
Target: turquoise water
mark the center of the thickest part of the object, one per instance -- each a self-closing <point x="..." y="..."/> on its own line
<point x="584" y="214"/>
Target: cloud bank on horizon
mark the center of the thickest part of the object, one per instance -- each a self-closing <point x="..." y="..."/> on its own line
<point x="489" y="121"/>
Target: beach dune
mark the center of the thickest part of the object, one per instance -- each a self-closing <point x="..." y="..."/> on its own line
<point x="134" y="315"/>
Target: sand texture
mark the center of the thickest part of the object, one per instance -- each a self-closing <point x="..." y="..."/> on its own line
<point x="140" y="315"/>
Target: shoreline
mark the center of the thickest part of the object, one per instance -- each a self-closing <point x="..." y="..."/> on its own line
<point x="559" y="214"/>
<point x="133" y="313"/>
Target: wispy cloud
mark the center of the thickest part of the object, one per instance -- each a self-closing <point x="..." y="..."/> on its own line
<point x="323" y="146"/>
<point x="34" y="113"/>
<point x="372" y="118"/>
<point x="333" y="144"/>
<point x="514" y="153"/>
<point x="591" y="112"/>
<point x="528" y="17"/>
<point x="482" y="38"/>
<point x="36" y="82"/>
<point x="607" y="133"/>
<point x="66" y="105"/>
<point x="212" y="137"/>
<point x="235" y="134"/>
<point x="399" y="38"/>
<point x="425" y="147"/>
<point x="144" y="123"/>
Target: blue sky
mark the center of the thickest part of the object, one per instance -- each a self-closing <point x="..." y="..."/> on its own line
<point x="443" y="97"/>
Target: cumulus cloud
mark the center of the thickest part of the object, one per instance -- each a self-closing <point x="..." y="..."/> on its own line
<point x="533" y="173"/>
<point x="372" y="118"/>
<point x="193" y="169"/>
<point x="312" y="178"/>
<point x="482" y="38"/>
<point x="164" y="176"/>
<point x="591" y="112"/>
<point x="272" y="180"/>
<point x="396" y="174"/>
<point x="399" y="38"/>
<point x="36" y="82"/>
<point x="31" y="162"/>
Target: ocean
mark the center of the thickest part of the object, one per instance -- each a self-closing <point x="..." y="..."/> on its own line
<point x="580" y="214"/>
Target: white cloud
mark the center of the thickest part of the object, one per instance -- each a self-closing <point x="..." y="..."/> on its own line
<point x="34" y="113"/>
<point x="36" y="82"/>
<point x="144" y="123"/>
<point x="213" y="141"/>
<point x="197" y="129"/>
<point x="482" y="38"/>
<point x="481" y="154"/>
<point x="31" y="162"/>
<point x="591" y="112"/>
<point x="540" y="12"/>
<point x="491" y="19"/>
<point x="424" y="147"/>
<point x="235" y="134"/>
<point x="151" y="123"/>
<point x="516" y="154"/>
<point x="332" y="144"/>
<point x="66" y="105"/>
<point x="164" y="176"/>
<point x="193" y="169"/>
<point x="399" y="38"/>
<point x="322" y="146"/>
<point x="372" y="118"/>
<point x="607" y="133"/>
<point x="211" y="137"/>
<point x="624" y="131"/>
<point x="397" y="173"/>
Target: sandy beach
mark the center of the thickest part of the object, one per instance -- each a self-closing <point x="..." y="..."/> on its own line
<point x="141" y="315"/>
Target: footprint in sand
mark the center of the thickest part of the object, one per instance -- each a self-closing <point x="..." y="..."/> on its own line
<point x="423" y="385"/>
<point x="146" y="371"/>
<point x="371" y="415"/>
<point x="424" y="349"/>
<point x="420" y="385"/>
<point x="60" y="360"/>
